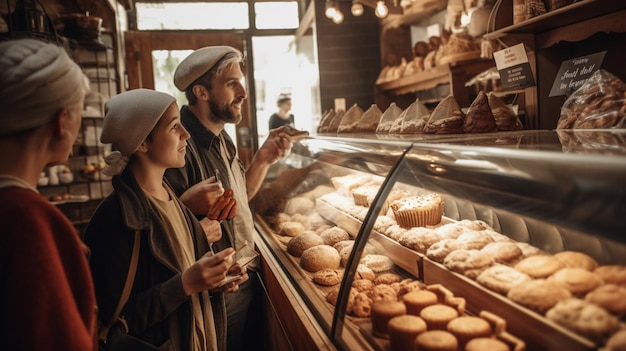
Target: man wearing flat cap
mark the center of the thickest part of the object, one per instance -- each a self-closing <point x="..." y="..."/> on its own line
<point x="211" y="78"/>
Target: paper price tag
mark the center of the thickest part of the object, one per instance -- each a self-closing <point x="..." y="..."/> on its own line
<point x="514" y="69"/>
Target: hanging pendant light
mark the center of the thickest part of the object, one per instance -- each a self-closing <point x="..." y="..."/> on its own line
<point x="381" y="10"/>
<point x="357" y="8"/>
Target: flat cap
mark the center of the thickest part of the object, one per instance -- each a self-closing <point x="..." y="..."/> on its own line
<point x="198" y="63"/>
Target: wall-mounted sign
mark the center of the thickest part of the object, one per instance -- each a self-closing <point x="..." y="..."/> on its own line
<point x="574" y="73"/>
<point x="514" y="69"/>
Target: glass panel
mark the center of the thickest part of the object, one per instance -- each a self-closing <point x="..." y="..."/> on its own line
<point x="190" y="16"/>
<point x="276" y="15"/>
<point x="165" y="63"/>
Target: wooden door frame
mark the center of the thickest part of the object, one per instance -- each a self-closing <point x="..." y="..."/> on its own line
<point x="139" y="69"/>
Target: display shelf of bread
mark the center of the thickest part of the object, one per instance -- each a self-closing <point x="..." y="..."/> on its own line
<point x="487" y="113"/>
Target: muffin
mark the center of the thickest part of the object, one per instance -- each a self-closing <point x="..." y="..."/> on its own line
<point x="466" y="328"/>
<point x="486" y="344"/>
<point x="436" y="340"/>
<point x="403" y="330"/>
<point x="382" y="312"/>
<point x="438" y="315"/>
<point x="418" y="211"/>
<point x="417" y="300"/>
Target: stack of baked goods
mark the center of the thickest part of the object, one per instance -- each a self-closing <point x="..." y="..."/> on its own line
<point x="388" y="118"/>
<point x="432" y="318"/>
<point x="599" y="103"/>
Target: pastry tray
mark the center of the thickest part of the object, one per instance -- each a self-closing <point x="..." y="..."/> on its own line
<point x="538" y="332"/>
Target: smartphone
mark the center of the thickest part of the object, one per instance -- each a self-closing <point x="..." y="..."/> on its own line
<point x="244" y="256"/>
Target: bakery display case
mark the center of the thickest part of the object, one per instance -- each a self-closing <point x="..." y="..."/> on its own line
<point x="329" y="214"/>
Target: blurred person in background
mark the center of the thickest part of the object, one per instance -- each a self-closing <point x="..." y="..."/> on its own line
<point x="282" y="116"/>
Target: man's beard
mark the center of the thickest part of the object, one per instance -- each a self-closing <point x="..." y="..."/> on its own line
<point x="223" y="114"/>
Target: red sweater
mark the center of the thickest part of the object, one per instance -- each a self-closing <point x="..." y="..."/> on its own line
<point x="47" y="299"/>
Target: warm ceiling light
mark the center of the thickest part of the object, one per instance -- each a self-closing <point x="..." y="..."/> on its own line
<point x="357" y="8"/>
<point x="338" y="16"/>
<point x="381" y="10"/>
<point x="331" y="9"/>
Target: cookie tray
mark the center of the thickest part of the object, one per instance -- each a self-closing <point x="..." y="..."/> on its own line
<point x="538" y="332"/>
<point x="403" y="257"/>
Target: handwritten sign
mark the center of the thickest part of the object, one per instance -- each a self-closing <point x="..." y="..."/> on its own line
<point x="574" y="73"/>
<point x="514" y="69"/>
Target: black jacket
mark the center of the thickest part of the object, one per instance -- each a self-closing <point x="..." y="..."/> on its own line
<point x="158" y="310"/>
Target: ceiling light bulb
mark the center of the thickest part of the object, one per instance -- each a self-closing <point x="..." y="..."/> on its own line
<point x="381" y="10"/>
<point x="337" y="17"/>
<point x="357" y="8"/>
<point x="330" y="9"/>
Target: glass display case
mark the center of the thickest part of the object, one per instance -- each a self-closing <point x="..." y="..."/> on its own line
<point x="549" y="191"/>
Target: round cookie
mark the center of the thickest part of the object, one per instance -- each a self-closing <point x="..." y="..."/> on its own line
<point x="419" y="239"/>
<point x="438" y="315"/>
<point x="474" y="240"/>
<point x="614" y="274"/>
<point x="343" y="244"/>
<point x="501" y="278"/>
<point x="334" y="235"/>
<point x="395" y="232"/>
<point x="403" y="330"/>
<point x="363" y="285"/>
<point x="362" y="305"/>
<point x="436" y="340"/>
<point x="383" y="292"/>
<point x="486" y="344"/>
<point x="584" y="318"/>
<point x="417" y="300"/>
<point x="303" y="241"/>
<point x="578" y="281"/>
<point x="609" y="296"/>
<point x="466" y="328"/>
<point x="451" y="230"/>
<point x="387" y="278"/>
<point x="530" y="250"/>
<point x="467" y="262"/>
<point x="300" y="205"/>
<point x="327" y="277"/>
<point x="439" y="250"/>
<point x="576" y="259"/>
<point x="617" y="342"/>
<point x="291" y="229"/>
<point x="377" y="263"/>
<point x="505" y="252"/>
<point x="539" y="266"/>
<point x="382" y="313"/>
<point x="319" y="257"/>
<point x="538" y="294"/>
<point x="475" y="224"/>
<point x="363" y="272"/>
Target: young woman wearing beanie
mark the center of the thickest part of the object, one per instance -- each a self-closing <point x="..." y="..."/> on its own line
<point x="176" y="301"/>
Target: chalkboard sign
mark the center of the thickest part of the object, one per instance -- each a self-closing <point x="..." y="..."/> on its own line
<point x="574" y="73"/>
<point x="514" y="69"/>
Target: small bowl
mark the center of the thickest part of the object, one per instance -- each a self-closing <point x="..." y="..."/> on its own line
<point x="66" y="178"/>
<point x="43" y="181"/>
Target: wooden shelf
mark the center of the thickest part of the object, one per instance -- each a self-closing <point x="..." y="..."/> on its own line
<point x="419" y="81"/>
<point x="565" y="16"/>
